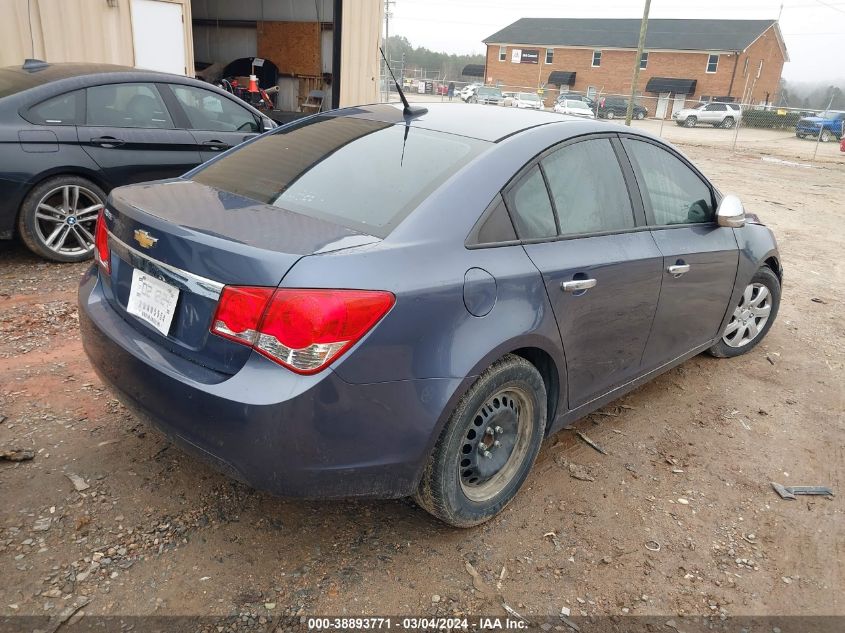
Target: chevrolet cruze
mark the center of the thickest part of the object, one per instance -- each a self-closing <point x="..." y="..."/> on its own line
<point x="384" y="302"/>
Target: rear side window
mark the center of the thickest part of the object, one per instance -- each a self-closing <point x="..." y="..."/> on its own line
<point x="673" y="191"/>
<point x="494" y="226"/>
<point x="62" y="110"/>
<point x="127" y="105"/>
<point x="367" y="175"/>
<point x="531" y="208"/>
<point x="588" y="188"/>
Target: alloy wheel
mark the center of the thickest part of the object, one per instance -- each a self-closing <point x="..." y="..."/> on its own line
<point x="496" y="444"/>
<point x="750" y="316"/>
<point x="65" y="218"/>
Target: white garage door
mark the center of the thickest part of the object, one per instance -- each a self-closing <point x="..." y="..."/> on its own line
<point x="158" y="33"/>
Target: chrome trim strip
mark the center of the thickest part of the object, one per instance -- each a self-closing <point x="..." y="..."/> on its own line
<point x="175" y="276"/>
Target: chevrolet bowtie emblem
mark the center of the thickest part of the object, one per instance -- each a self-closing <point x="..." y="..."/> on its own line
<point x="145" y="239"/>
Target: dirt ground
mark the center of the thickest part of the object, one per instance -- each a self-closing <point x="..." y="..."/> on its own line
<point x="690" y="458"/>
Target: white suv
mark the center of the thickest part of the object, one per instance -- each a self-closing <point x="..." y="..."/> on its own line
<point x="717" y="114"/>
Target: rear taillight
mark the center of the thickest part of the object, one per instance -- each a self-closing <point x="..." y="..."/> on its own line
<point x="101" y="243"/>
<point x="304" y="330"/>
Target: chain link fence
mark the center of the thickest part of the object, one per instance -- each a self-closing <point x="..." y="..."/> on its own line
<point x="784" y="132"/>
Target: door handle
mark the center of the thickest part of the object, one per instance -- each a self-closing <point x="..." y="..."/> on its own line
<point x="216" y="146"/>
<point x="577" y="284"/>
<point x="678" y="269"/>
<point x="108" y="141"/>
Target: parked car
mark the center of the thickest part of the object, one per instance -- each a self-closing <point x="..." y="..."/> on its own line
<point x="262" y="312"/>
<point x="71" y="132"/>
<point x="527" y="100"/>
<point x="842" y="144"/>
<point x="574" y="107"/>
<point x="468" y="91"/>
<point x="487" y="95"/>
<point x="828" y="123"/>
<point x="612" y="107"/>
<point x="717" y="114"/>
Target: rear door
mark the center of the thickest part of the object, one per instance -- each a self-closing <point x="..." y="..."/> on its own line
<point x="600" y="265"/>
<point x="215" y="121"/>
<point x="130" y="134"/>
<point x="715" y="112"/>
<point x="699" y="257"/>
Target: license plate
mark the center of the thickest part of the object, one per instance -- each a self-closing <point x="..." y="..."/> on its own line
<point x="152" y="301"/>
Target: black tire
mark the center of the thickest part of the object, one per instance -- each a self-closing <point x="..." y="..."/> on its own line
<point x="766" y="277"/>
<point x="610" y="114"/>
<point x="728" y="122"/>
<point x="443" y="490"/>
<point x="799" y="135"/>
<point x="33" y="229"/>
<point x="690" y="121"/>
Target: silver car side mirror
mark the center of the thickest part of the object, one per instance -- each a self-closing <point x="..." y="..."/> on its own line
<point x="730" y="213"/>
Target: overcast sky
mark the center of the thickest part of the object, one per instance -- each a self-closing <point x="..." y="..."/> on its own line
<point x="814" y="30"/>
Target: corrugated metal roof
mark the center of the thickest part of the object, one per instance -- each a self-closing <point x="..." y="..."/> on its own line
<point x="681" y="35"/>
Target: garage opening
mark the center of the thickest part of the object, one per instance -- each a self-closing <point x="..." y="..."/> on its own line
<point x="287" y="47"/>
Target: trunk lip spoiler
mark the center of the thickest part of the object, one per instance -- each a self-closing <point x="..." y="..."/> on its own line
<point x="182" y="279"/>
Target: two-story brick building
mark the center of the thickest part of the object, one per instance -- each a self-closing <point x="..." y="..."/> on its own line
<point x="732" y="60"/>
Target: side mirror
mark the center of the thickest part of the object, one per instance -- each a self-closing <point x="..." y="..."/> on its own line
<point x="730" y="213"/>
<point x="267" y="124"/>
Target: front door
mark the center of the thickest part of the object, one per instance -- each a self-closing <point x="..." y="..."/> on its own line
<point x="217" y="122"/>
<point x="678" y="103"/>
<point x="130" y="134"/>
<point x="662" y="105"/>
<point x="699" y="257"/>
<point x="602" y="275"/>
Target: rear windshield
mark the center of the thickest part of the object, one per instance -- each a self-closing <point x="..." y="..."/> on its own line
<point x="366" y="175"/>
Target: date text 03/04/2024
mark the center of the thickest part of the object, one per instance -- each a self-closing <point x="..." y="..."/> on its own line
<point x="411" y="623"/>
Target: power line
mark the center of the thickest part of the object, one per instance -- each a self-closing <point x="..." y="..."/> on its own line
<point x="830" y="6"/>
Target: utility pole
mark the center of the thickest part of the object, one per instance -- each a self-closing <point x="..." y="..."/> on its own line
<point x="640" y="47"/>
<point x="387" y="4"/>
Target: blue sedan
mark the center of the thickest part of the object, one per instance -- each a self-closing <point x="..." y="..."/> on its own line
<point x="386" y="303"/>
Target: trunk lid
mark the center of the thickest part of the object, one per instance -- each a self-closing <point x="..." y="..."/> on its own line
<point x="199" y="239"/>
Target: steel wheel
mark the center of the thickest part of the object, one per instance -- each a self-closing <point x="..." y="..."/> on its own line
<point x="65" y="218"/>
<point x="496" y="445"/>
<point x="728" y="123"/>
<point x="750" y="316"/>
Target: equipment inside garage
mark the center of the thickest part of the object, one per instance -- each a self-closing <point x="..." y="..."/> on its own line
<point x="276" y="54"/>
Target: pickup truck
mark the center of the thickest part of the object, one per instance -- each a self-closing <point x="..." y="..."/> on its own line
<point x="829" y="124"/>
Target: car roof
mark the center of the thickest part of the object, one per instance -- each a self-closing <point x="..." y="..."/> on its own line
<point x="486" y="123"/>
<point x="14" y="79"/>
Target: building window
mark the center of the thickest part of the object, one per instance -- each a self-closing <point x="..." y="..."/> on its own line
<point x="643" y="61"/>
<point x="745" y="68"/>
<point x="591" y="92"/>
<point x="760" y="69"/>
<point x="503" y="53"/>
<point x="596" y="59"/>
<point x="550" y="55"/>
<point x="712" y="63"/>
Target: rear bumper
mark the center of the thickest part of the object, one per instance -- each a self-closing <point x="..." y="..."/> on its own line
<point x="314" y="437"/>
